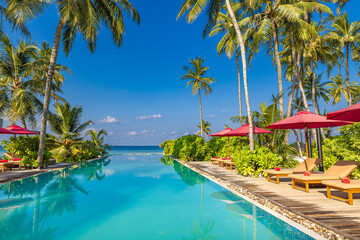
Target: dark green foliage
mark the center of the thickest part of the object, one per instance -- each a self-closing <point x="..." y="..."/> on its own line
<point x="27" y="148"/>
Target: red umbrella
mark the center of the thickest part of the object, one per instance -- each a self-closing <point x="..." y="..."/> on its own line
<point x="306" y="120"/>
<point x="244" y="130"/>
<point x="223" y="133"/>
<point x="15" y="129"/>
<point x="351" y="114"/>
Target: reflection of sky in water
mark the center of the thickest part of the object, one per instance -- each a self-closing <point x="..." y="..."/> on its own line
<point x="137" y="198"/>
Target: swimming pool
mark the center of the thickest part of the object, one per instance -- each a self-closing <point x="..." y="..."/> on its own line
<point x="131" y="197"/>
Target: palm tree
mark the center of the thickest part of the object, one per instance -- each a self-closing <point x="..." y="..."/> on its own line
<point x="319" y="89"/>
<point x="194" y="8"/>
<point x="196" y="73"/>
<point x="347" y="34"/>
<point x="97" y="137"/>
<point x="338" y="88"/>
<point x="68" y="129"/>
<point x="20" y="102"/>
<point x="206" y="129"/>
<point x="83" y="16"/>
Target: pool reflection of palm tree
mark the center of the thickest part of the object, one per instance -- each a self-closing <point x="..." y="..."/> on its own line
<point x="52" y="194"/>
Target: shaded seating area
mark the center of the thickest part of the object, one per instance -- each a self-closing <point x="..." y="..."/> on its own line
<point x="311" y="163"/>
<point x="337" y="171"/>
<point x="14" y="159"/>
<point x="5" y="163"/>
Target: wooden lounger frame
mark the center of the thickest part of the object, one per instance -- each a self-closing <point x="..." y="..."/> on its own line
<point x="277" y="181"/>
<point x="307" y="183"/>
<point x="230" y="165"/>
<point x="348" y="191"/>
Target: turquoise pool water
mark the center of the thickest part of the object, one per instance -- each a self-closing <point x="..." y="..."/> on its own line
<point x="131" y="197"/>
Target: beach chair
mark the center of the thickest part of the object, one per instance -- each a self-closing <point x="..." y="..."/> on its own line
<point x="222" y="161"/>
<point x="5" y="163"/>
<point x="350" y="188"/>
<point x="229" y="165"/>
<point x="301" y="168"/>
<point x="16" y="160"/>
<point x="214" y="160"/>
<point x="337" y="171"/>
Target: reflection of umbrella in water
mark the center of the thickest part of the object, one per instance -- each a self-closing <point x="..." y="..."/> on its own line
<point x="227" y="197"/>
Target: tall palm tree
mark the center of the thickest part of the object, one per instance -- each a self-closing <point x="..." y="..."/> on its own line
<point x="82" y="16"/>
<point x="206" y="129"/>
<point x="196" y="73"/>
<point x="20" y="102"/>
<point x="316" y="90"/>
<point x="98" y="137"/>
<point x="347" y="34"/>
<point x="339" y="87"/>
<point x="194" y="8"/>
<point x="65" y="123"/>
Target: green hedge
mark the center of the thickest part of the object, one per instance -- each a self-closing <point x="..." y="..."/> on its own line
<point x="26" y="148"/>
<point x="248" y="163"/>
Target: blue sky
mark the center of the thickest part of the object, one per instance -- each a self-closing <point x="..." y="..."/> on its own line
<point x="135" y="92"/>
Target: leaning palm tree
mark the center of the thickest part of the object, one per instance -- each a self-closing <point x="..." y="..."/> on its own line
<point x="206" y="129"/>
<point x="347" y="35"/>
<point x="196" y="73"/>
<point x="194" y="9"/>
<point x="65" y="124"/>
<point x="82" y="16"/>
<point x="97" y="138"/>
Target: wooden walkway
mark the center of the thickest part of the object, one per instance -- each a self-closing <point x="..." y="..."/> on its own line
<point x="314" y="205"/>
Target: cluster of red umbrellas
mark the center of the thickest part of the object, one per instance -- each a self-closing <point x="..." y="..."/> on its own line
<point x="302" y="120"/>
<point x="16" y="130"/>
<point x="242" y="131"/>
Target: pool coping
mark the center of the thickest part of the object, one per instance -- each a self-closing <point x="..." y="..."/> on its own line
<point x="309" y="226"/>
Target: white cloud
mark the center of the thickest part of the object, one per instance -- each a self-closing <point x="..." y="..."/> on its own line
<point x="149" y="117"/>
<point x="109" y="119"/>
<point x="173" y="132"/>
<point x="186" y="133"/>
<point x="223" y="110"/>
<point x="133" y="133"/>
<point x="211" y="116"/>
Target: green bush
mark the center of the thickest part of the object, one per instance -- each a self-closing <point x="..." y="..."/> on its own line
<point x="84" y="150"/>
<point x="26" y="148"/>
<point x="253" y="163"/>
<point x="188" y="148"/>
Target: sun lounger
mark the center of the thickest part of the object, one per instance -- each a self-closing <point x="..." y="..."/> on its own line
<point x="337" y="171"/>
<point x="14" y="159"/>
<point x="229" y="164"/>
<point x="5" y="163"/>
<point x="301" y="168"/>
<point x="214" y="160"/>
<point x="222" y="161"/>
<point x="350" y="188"/>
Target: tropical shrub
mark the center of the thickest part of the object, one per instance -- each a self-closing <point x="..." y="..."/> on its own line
<point x="188" y="148"/>
<point x="26" y="148"/>
<point x="345" y="146"/>
<point x="253" y="163"/>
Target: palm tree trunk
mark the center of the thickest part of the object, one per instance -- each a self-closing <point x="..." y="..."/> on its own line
<point x="278" y="66"/>
<point x="313" y="89"/>
<point x="243" y="59"/>
<point x="23" y="122"/>
<point x="201" y="118"/>
<point x="50" y="74"/>
<point x="298" y="142"/>
<point x="302" y="91"/>
<point x="347" y="74"/>
<point x="239" y="84"/>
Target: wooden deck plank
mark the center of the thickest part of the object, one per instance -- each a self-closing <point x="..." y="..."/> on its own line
<point x="315" y="205"/>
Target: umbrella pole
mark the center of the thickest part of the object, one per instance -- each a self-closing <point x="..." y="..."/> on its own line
<point x="307" y="148"/>
<point x="13" y="147"/>
<point x="229" y="145"/>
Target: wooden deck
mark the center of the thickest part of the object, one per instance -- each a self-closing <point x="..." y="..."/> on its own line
<point x="314" y="205"/>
